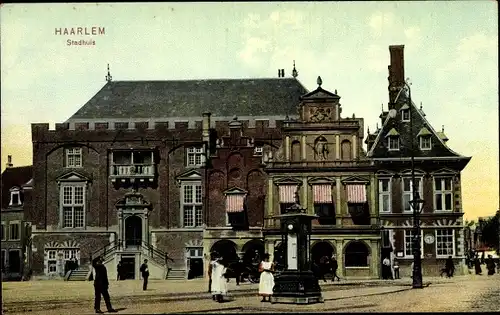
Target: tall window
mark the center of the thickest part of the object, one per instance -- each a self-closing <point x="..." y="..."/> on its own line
<point x="287" y="196"/>
<point x="73" y="206"/>
<point x="235" y="206"/>
<point x="52" y="261"/>
<point x="393" y="143"/>
<point x="14" y="231"/>
<point x="386" y="239"/>
<point x="408" y="192"/>
<point x="409" y="239"/>
<point x="15" y="197"/>
<point x="445" y="243"/>
<point x="74" y="157"/>
<point x="194" y="156"/>
<point x="3" y="231"/>
<point x="443" y="194"/>
<point x="14" y="260"/>
<point x="384" y="195"/>
<point x="192" y="205"/>
<point x="425" y="142"/>
<point x="323" y="204"/>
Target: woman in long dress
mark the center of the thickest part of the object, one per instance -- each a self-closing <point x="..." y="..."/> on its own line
<point x="219" y="283"/>
<point x="266" y="283"/>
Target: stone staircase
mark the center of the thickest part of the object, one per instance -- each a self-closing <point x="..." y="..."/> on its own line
<point x="78" y="275"/>
<point x="176" y="274"/>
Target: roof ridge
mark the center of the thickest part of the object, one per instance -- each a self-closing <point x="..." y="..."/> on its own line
<point x="208" y="79"/>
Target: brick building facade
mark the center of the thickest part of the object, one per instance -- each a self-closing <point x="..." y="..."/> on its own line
<point x="113" y="181"/>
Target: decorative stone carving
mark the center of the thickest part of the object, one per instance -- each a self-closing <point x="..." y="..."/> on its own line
<point x="321" y="149"/>
<point x="319" y="114"/>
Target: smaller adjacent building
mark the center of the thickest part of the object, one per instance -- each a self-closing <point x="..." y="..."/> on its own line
<point x="15" y="233"/>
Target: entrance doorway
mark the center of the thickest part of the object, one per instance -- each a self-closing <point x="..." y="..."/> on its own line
<point x="195" y="262"/>
<point x="128" y="265"/>
<point x="133" y="231"/>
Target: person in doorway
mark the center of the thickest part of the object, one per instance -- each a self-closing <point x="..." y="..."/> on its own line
<point x="145" y="274"/>
<point x="386" y="269"/>
<point x="477" y="265"/>
<point x="490" y="265"/>
<point x="119" y="271"/>
<point x="219" y="283"/>
<point x="266" y="283"/>
<point x="335" y="267"/>
<point x="450" y="267"/>
<point x="396" y="269"/>
<point x="75" y="263"/>
<point x="101" y="285"/>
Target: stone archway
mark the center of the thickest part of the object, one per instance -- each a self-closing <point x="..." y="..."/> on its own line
<point x="320" y="249"/>
<point x="133" y="231"/>
<point x="253" y="250"/>
<point x="225" y="249"/>
<point x="356" y="254"/>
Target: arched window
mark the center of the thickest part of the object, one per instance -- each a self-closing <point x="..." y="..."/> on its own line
<point x="356" y="255"/>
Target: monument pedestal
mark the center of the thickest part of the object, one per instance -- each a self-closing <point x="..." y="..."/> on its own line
<point x="296" y="287"/>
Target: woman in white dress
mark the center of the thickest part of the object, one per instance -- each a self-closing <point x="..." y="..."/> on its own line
<point x="219" y="283"/>
<point x="266" y="283"/>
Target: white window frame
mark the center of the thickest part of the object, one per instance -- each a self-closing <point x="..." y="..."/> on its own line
<point x="18" y="224"/>
<point x="421" y="141"/>
<point x="443" y="192"/>
<point x="437" y="242"/>
<point x="193" y="203"/>
<point x="410" y="192"/>
<point x="195" y="153"/>
<point x="390" y="140"/>
<point x="74" y="152"/>
<point x="72" y="204"/>
<point x="382" y="194"/>
<point x="409" y="231"/>
<point x="258" y="150"/>
<point x="403" y="116"/>
<point x="15" y="191"/>
<point x="49" y="260"/>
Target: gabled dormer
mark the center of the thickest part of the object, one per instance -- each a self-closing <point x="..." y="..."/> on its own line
<point x="320" y="105"/>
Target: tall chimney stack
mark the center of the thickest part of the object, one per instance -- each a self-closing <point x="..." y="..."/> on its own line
<point x="206" y="126"/>
<point x="9" y="161"/>
<point x="396" y="71"/>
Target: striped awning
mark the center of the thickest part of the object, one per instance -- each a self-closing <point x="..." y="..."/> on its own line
<point x="234" y="203"/>
<point x="287" y="193"/>
<point x="356" y="193"/>
<point x="322" y="193"/>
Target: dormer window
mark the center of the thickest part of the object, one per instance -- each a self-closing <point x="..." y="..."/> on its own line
<point x="424" y="137"/>
<point x="74" y="157"/>
<point x="393" y="140"/>
<point x="15" y="197"/>
<point x="258" y="150"/>
<point x="425" y="143"/>
<point x="405" y="113"/>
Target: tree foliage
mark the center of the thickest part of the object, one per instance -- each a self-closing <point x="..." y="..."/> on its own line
<point x="490" y="230"/>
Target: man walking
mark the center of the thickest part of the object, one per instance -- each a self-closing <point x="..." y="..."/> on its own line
<point x="101" y="285"/>
<point x="145" y="274"/>
<point x="450" y="267"/>
<point x="335" y="267"/>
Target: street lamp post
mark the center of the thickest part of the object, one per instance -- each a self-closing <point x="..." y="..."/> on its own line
<point x="416" y="203"/>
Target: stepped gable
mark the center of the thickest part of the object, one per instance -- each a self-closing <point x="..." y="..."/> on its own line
<point x="14" y="177"/>
<point x="191" y="98"/>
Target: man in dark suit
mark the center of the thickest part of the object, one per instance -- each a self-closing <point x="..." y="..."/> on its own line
<point x="101" y="285"/>
<point x="145" y="274"/>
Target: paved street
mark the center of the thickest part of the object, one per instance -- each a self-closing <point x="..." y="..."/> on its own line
<point x="462" y="293"/>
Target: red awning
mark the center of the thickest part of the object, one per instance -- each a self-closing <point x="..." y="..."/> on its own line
<point x="287" y="193"/>
<point x="356" y="193"/>
<point x="322" y="193"/>
<point x="234" y="203"/>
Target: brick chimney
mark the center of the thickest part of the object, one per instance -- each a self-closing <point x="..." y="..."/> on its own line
<point x="396" y="71"/>
<point x="9" y="162"/>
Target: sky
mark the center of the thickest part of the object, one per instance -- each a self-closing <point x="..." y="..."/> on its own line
<point x="451" y="58"/>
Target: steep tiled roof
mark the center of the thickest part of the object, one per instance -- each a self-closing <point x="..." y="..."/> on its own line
<point x="14" y="177"/>
<point x="191" y="98"/>
<point x="419" y="122"/>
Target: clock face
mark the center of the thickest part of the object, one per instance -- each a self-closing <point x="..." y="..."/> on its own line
<point x="429" y="238"/>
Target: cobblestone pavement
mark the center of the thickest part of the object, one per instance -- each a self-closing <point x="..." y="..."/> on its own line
<point x="462" y="293"/>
